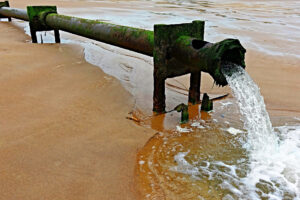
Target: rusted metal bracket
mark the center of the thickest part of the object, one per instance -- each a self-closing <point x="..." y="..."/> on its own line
<point x="4" y="4"/>
<point x="167" y="66"/>
<point x="37" y="16"/>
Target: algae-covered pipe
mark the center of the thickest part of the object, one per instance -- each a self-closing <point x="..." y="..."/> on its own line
<point x="192" y="52"/>
<point x="178" y="49"/>
<point x="209" y="57"/>
<point x="138" y="40"/>
<point x="15" y="13"/>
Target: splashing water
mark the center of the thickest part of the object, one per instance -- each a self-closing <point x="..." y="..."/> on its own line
<point x="222" y="161"/>
<point x="261" y="137"/>
<point x="274" y="163"/>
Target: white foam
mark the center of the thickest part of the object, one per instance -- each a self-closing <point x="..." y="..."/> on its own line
<point x="233" y="131"/>
<point x="184" y="166"/>
<point x="183" y="130"/>
<point x="197" y="125"/>
<point x="280" y="171"/>
<point x="226" y="103"/>
<point x="281" y="167"/>
<point x="141" y="162"/>
<point x="274" y="163"/>
<point x="253" y="110"/>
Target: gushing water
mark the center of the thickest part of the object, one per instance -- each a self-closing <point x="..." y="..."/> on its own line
<point x="261" y="137"/>
<point x="274" y="163"/>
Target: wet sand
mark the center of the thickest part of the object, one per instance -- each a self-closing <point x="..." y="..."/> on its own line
<point x="63" y="127"/>
<point x="64" y="132"/>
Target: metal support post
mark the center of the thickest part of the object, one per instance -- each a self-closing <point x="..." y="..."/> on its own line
<point x="194" y="90"/>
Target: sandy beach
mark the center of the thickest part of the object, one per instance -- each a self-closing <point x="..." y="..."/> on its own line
<point x="63" y="127"/>
<point x="64" y="132"/>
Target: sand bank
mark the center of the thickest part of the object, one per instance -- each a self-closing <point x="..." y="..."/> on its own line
<point x="63" y="127"/>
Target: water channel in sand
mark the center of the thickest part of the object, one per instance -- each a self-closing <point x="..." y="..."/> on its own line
<point x="207" y="158"/>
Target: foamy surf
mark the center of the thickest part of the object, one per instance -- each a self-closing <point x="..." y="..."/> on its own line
<point x="268" y="168"/>
<point x="275" y="176"/>
<point x="233" y="131"/>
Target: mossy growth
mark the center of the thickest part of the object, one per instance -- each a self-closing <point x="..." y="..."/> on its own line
<point x="37" y="14"/>
<point x="4" y="4"/>
<point x="184" y="112"/>
<point x="207" y="104"/>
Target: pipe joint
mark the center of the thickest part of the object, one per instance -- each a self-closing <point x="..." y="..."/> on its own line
<point x="42" y="18"/>
<point x="37" y="20"/>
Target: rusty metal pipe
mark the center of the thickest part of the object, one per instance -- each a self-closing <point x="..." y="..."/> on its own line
<point x="177" y="49"/>
<point x="15" y="13"/>
<point x="192" y="53"/>
<point x="138" y="40"/>
<point x="199" y="55"/>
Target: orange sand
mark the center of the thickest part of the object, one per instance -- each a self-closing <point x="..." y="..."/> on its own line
<point x="63" y="127"/>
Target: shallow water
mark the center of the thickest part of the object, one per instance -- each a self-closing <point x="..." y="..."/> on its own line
<point x="224" y="155"/>
<point x="211" y="163"/>
<point x="213" y="157"/>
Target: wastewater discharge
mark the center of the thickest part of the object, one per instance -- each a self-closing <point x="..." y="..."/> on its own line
<point x="256" y="161"/>
<point x="273" y="155"/>
<point x="253" y="110"/>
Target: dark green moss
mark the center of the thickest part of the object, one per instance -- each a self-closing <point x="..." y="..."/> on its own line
<point x="184" y="112"/>
<point x="207" y="104"/>
<point x="37" y="14"/>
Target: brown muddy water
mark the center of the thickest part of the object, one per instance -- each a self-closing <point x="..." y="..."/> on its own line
<point x="206" y="158"/>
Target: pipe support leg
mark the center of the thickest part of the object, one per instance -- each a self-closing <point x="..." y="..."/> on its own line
<point x="194" y="90"/>
<point x="159" y="96"/>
